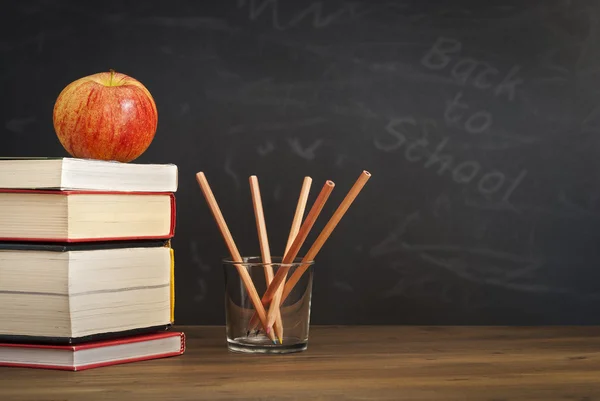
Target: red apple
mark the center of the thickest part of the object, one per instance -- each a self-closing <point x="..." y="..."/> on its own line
<point x="105" y="116"/>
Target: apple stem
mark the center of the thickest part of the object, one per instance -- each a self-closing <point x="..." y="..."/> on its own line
<point x="112" y="73"/>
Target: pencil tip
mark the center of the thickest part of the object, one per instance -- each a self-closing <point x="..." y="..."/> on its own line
<point x="268" y="330"/>
<point x="280" y="340"/>
<point x="248" y="333"/>
<point x="275" y="342"/>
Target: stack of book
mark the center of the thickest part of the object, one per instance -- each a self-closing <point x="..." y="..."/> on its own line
<point x="86" y="264"/>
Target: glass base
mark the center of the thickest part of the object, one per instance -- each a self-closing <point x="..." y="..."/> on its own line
<point x="263" y="345"/>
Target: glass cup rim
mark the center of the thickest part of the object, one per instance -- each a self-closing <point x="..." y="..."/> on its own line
<point x="255" y="261"/>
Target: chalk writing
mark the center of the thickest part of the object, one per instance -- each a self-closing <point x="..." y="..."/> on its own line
<point x="265" y="149"/>
<point x="305" y="153"/>
<point x="320" y="19"/>
<point x="478" y="251"/>
<point x="209" y="23"/>
<point x="480" y="74"/>
<point x="392" y="243"/>
<point x="420" y="284"/>
<point x="417" y="150"/>
<point x="499" y="277"/>
<point x="474" y="123"/>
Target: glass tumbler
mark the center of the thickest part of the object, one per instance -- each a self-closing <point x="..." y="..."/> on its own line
<point x="244" y="330"/>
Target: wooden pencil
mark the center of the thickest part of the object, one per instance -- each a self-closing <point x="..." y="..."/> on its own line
<point x="296" y="222"/>
<point x="295" y="247"/>
<point x="265" y="250"/>
<point x="322" y="238"/>
<point x="235" y="255"/>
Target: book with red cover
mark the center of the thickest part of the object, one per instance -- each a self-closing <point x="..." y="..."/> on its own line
<point x="94" y="354"/>
<point x="85" y="216"/>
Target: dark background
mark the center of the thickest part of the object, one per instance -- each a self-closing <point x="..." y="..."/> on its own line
<point x="478" y="120"/>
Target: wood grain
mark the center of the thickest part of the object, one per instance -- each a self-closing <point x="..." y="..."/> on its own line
<point x="350" y="363"/>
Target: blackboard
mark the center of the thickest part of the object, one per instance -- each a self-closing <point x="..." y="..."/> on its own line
<point x="478" y="120"/>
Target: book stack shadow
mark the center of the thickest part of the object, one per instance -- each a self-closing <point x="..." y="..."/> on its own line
<point x="86" y="263"/>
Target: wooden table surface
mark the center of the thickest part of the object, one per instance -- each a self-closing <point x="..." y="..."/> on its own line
<point x="352" y="363"/>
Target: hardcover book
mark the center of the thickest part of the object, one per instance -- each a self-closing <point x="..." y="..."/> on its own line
<point x="94" y="354"/>
<point x="73" y="293"/>
<point x="67" y="173"/>
<point x="83" y="216"/>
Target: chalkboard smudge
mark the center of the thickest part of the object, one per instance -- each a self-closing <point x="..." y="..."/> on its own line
<point x="209" y="23"/>
<point x="196" y="259"/>
<point x="391" y="243"/>
<point x="202" y="291"/>
<point x="441" y="203"/>
<point x="573" y="207"/>
<point x="230" y="172"/>
<point x="484" y="252"/>
<point x="18" y="125"/>
<point x="461" y="269"/>
<point x="277" y="193"/>
<point x="265" y="149"/>
<point x="277" y="125"/>
<point x="305" y="153"/>
<point x="343" y="286"/>
<point x="184" y="108"/>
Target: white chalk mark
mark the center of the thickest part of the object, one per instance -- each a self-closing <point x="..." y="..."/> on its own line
<point x="256" y="8"/>
<point x="286" y="125"/>
<point x="494" y="206"/>
<point x="277" y="193"/>
<point x="460" y="269"/>
<point x="202" y="290"/>
<point x="575" y="208"/>
<point x="288" y="93"/>
<point x="184" y="108"/>
<point x="265" y="149"/>
<point x="230" y="172"/>
<point x="18" y="125"/>
<point x="592" y="115"/>
<point x="485" y="252"/>
<point x="196" y="259"/>
<point x="209" y="23"/>
<point x="227" y="75"/>
<point x="305" y="153"/>
<point x="339" y="160"/>
<point x="343" y="286"/>
<point x="391" y="243"/>
<point x="365" y="111"/>
<point x="441" y="203"/>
